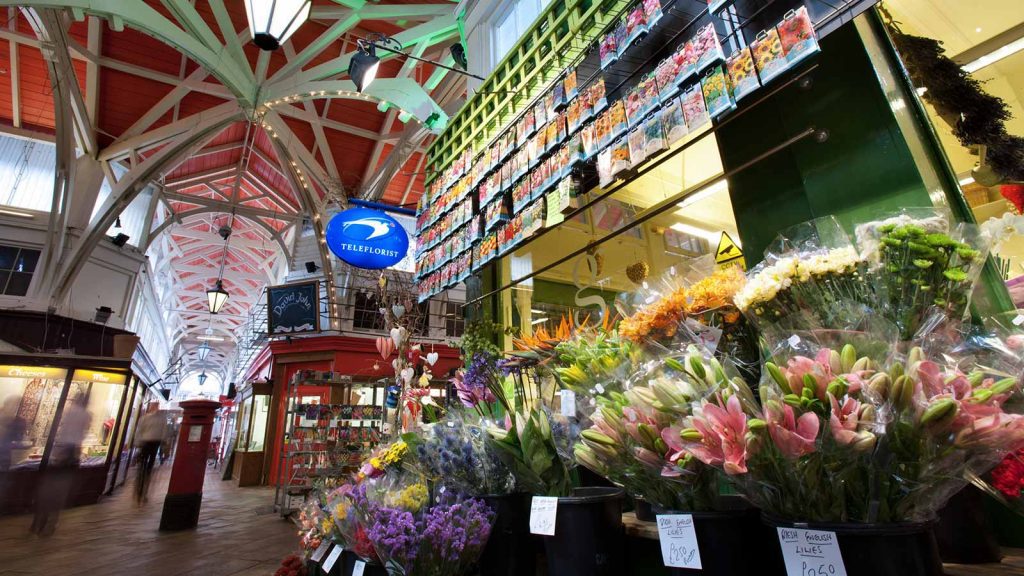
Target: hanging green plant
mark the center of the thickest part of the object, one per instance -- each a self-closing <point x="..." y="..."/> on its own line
<point x="976" y="116"/>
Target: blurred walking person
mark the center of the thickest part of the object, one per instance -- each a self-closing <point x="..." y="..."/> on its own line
<point x="152" y="431"/>
<point x="12" y="431"/>
<point x="60" y="471"/>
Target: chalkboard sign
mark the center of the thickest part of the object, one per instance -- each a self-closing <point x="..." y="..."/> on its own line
<point x="293" y="308"/>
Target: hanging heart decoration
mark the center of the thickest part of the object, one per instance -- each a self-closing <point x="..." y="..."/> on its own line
<point x="385" y="347"/>
<point x="407" y="374"/>
<point x="398" y="310"/>
<point x="432" y="358"/>
<point x="398" y="335"/>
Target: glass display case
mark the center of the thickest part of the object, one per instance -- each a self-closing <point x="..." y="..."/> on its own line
<point x="250" y="441"/>
<point x="59" y="411"/>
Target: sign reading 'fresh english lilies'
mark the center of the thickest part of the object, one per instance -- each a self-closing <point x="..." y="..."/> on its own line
<point x="367" y="238"/>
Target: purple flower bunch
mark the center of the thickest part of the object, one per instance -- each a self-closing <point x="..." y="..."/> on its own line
<point x="474" y="383"/>
<point x="446" y="540"/>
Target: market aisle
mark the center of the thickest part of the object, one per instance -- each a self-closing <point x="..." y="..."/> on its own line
<point x="237" y="536"/>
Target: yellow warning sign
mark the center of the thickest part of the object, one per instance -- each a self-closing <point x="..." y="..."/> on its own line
<point x="728" y="251"/>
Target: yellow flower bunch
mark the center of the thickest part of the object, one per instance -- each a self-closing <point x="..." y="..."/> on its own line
<point x="394" y="453"/>
<point x="411" y="498"/>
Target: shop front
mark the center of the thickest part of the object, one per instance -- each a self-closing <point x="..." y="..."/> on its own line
<point x="39" y="396"/>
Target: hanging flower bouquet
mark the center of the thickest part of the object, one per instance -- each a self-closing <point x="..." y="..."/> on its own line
<point x="845" y="439"/>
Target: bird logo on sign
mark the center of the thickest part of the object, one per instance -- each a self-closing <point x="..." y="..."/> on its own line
<point x="379" y="228"/>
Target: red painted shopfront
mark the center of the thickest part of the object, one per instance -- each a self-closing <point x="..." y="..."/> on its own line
<point x="349" y="356"/>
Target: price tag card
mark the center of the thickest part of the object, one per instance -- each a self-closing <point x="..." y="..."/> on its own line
<point x="1019" y="320"/>
<point x="320" y="551"/>
<point x="332" y="558"/>
<point x="568" y="403"/>
<point x="811" y="552"/>
<point x="542" y="515"/>
<point x="358" y="569"/>
<point x="679" y="547"/>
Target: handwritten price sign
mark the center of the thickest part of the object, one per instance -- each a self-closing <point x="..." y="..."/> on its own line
<point x="543" y="511"/>
<point x="679" y="547"/>
<point x="811" y="552"/>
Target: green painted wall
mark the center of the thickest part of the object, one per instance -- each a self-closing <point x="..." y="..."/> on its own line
<point x="864" y="168"/>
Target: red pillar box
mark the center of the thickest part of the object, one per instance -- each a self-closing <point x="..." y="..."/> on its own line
<point x="185" y="492"/>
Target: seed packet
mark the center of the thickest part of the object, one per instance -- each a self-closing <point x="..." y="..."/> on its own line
<point x="598" y="97"/>
<point x="588" y="141"/>
<point x="609" y="50"/>
<point x="769" y="57"/>
<point x="716" y="92"/>
<point x="742" y="77"/>
<point x="531" y="122"/>
<point x="716" y="5"/>
<point x="534" y="148"/>
<point x="797" y="35"/>
<point x="572" y="116"/>
<point x="708" y="50"/>
<point x="574" y="151"/>
<point x="665" y="76"/>
<point x="602" y="130"/>
<point x="648" y="93"/>
<point x="620" y="37"/>
<point x="636" y="25"/>
<point x="617" y="124"/>
<point x="652" y="12"/>
<point x="686" y="61"/>
<point x="540" y="114"/>
<point x="620" y="156"/>
<point x="654" y="138"/>
<point x="557" y="98"/>
<point x="569" y="85"/>
<point x="634" y="106"/>
<point x="637" y="146"/>
<point x="694" y="111"/>
<point x="560" y="130"/>
<point x="604" y="167"/>
<point x="673" y="123"/>
<point x="551" y="135"/>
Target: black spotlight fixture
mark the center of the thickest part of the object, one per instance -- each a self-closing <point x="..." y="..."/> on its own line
<point x="459" y="54"/>
<point x="120" y="240"/>
<point x="311" y="267"/>
<point x="103" y="314"/>
<point x="362" y="68"/>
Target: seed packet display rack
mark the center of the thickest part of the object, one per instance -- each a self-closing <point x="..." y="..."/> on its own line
<point x="479" y="234"/>
<point x="323" y="441"/>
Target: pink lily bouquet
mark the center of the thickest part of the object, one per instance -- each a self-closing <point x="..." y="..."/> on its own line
<point x="840" y="438"/>
<point x="634" y="439"/>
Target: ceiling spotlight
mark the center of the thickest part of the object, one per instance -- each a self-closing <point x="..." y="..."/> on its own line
<point x="217" y="296"/>
<point x="272" y="22"/>
<point x="103" y="314"/>
<point x="363" y="66"/>
<point x="224" y="232"/>
<point x="459" y="54"/>
<point x="119" y="240"/>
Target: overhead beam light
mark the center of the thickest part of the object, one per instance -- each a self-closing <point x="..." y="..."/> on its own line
<point x="18" y="213"/>
<point x="209" y="338"/>
<point x="363" y="66"/>
<point x="994" y="56"/>
<point x="272" y="22"/>
<point x="697" y="231"/>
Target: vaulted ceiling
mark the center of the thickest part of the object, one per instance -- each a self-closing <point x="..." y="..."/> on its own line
<point x="173" y="94"/>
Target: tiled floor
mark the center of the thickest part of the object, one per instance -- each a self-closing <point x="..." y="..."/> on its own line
<point x="238" y="535"/>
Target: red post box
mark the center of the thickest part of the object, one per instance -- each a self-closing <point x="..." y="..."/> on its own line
<point x="185" y="491"/>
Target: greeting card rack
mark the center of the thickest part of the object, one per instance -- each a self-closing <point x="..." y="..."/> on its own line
<point x="324" y="441"/>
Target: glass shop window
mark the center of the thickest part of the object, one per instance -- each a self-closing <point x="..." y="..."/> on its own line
<point x="28" y="403"/>
<point x="89" y="417"/>
<point x="513" y="23"/>
<point x="16" y="268"/>
<point x="366" y="313"/>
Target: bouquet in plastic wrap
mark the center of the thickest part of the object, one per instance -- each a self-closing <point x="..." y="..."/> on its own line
<point x="381" y="459"/>
<point x="920" y="262"/>
<point x="455" y="452"/>
<point x="634" y="439"/>
<point x="694" y="306"/>
<point x="314" y="525"/>
<point x="841" y="437"/>
<point x="594" y="363"/>
<point x="417" y="535"/>
<point x="348" y="525"/>
<point x="812" y="276"/>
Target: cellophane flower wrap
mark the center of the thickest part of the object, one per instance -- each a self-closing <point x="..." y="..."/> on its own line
<point x="841" y="437"/>
<point x="314" y="525"/>
<point x="416" y="535"/>
<point x="456" y="452"/>
<point x="634" y="438"/>
<point x="348" y="525"/>
<point x="921" y="262"/>
<point x="692" y="305"/>
<point x="812" y="276"/>
<point x="594" y="364"/>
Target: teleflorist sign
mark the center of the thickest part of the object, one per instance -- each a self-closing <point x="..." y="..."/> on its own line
<point x="367" y="238"/>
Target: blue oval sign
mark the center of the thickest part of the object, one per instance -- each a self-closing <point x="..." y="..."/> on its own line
<point x="367" y="238"/>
